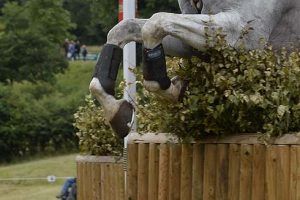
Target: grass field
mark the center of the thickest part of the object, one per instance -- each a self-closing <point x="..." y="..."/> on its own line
<point x="93" y="49"/>
<point x="59" y="166"/>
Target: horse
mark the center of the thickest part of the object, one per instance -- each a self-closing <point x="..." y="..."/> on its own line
<point x="183" y="35"/>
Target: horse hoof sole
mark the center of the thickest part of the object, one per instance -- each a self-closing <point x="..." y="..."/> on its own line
<point x="120" y="123"/>
<point x="185" y="84"/>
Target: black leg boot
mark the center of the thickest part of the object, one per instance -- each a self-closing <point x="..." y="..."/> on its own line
<point x="106" y="72"/>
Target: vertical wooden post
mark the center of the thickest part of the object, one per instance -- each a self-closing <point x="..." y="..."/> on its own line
<point x="234" y="172"/>
<point x="87" y="181"/>
<point x="259" y="168"/>
<point x="132" y="171"/>
<point x="115" y="181"/>
<point x="102" y="181"/>
<point x="198" y="168"/>
<point x="246" y="172"/>
<point x="143" y="163"/>
<point x="96" y="176"/>
<point x="174" y="171"/>
<point x="122" y="194"/>
<point x="283" y="172"/>
<point x="80" y="180"/>
<point x="107" y="182"/>
<point x="186" y="172"/>
<point x="163" y="172"/>
<point x="222" y="172"/>
<point x="153" y="172"/>
<point x="293" y="174"/>
<point x="209" y="191"/>
<point x="271" y="168"/>
<point x="298" y="171"/>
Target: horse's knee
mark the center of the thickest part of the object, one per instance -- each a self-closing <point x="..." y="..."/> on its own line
<point x="116" y="34"/>
<point x="153" y="30"/>
<point x="119" y="28"/>
<point x="125" y="31"/>
<point x="154" y="24"/>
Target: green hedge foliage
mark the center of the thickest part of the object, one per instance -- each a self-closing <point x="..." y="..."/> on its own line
<point x="95" y="136"/>
<point x="230" y="91"/>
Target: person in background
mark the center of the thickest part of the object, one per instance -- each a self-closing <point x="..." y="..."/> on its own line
<point x="77" y="50"/>
<point x="66" y="47"/>
<point x="84" y="52"/>
<point x="68" y="190"/>
<point x="71" y="53"/>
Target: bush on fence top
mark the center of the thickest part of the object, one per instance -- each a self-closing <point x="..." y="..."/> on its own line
<point x="95" y="137"/>
<point x="230" y="92"/>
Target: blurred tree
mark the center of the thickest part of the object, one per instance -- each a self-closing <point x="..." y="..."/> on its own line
<point x="104" y="13"/>
<point x="86" y="30"/>
<point x="49" y="18"/>
<point x="31" y="38"/>
<point x="3" y="2"/>
<point x="146" y="8"/>
<point x="94" y="18"/>
<point x="29" y="56"/>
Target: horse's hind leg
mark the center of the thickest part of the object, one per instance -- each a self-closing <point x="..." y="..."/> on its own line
<point x="118" y="113"/>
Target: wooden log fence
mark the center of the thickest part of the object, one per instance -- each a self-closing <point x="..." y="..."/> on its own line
<point x="232" y="168"/>
<point x="240" y="168"/>
<point x="100" y="178"/>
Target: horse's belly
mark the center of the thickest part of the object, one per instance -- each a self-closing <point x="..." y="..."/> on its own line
<point x="287" y="31"/>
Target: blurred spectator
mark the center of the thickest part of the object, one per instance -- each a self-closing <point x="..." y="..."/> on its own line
<point x="77" y="50"/>
<point x="68" y="190"/>
<point x="84" y="52"/>
<point x="66" y="47"/>
<point x="72" y="51"/>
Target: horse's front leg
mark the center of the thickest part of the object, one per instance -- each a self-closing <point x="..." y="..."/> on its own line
<point x="118" y="113"/>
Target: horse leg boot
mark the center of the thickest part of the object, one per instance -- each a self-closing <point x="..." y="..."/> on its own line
<point x="118" y="113"/>
<point x="156" y="78"/>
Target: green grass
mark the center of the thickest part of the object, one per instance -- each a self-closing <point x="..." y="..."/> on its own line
<point x="77" y="78"/>
<point x="60" y="166"/>
<point x="93" y="49"/>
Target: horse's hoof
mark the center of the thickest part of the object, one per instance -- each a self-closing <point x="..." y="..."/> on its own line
<point x="122" y="121"/>
<point x="181" y="85"/>
<point x="182" y="91"/>
<point x="198" y="4"/>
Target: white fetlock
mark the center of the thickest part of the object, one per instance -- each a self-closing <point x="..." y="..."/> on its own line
<point x="151" y="86"/>
<point x="119" y="114"/>
<point x="171" y="94"/>
<point x="109" y="103"/>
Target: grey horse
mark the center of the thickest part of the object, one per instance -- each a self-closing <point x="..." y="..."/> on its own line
<point x="182" y="35"/>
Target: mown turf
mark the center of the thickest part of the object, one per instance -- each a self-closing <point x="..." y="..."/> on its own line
<point x="59" y="166"/>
